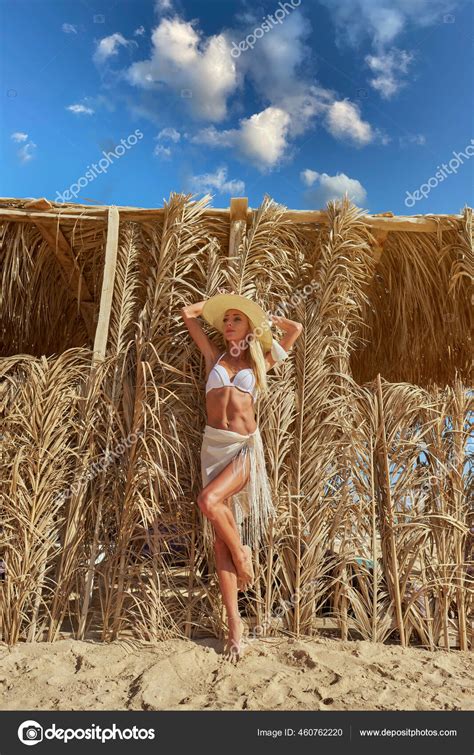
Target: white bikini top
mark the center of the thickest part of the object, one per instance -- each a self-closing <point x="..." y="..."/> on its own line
<point x="244" y="379"/>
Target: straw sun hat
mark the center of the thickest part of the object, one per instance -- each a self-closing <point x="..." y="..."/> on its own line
<point x="215" y="308"/>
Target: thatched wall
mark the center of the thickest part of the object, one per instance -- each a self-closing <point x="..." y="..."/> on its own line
<point x="365" y="430"/>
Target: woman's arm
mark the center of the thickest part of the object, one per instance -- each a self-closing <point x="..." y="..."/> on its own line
<point x="292" y="331"/>
<point x="190" y="313"/>
<point x="291" y="328"/>
<point x="193" y="310"/>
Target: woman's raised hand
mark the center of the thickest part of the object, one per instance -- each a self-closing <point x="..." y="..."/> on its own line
<point x="223" y="290"/>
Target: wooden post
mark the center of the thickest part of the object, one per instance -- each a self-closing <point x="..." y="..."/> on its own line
<point x="100" y="346"/>
<point x="102" y="331"/>
<point x="238" y="222"/>
<point x="389" y="516"/>
<point x="380" y="238"/>
<point x="375" y="573"/>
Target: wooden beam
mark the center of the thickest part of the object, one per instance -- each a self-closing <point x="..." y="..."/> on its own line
<point x="108" y="280"/>
<point x="420" y="224"/>
<point x="71" y="273"/>
<point x="39" y="204"/>
<point x="414" y="223"/>
<point x="11" y="213"/>
<point x="238" y="222"/>
<point x="387" y="222"/>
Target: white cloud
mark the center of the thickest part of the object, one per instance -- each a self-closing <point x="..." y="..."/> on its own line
<point x="169" y="133"/>
<point x="344" y="122"/>
<point x="69" y="28"/>
<point x="388" y="69"/>
<point x="262" y="138"/>
<point x="163" y="5"/>
<point x="309" y="176"/>
<point x="418" y="139"/>
<point x="26" y="152"/>
<point x="80" y="109"/>
<point x="200" y="71"/>
<point x="207" y="182"/>
<point x="304" y="105"/>
<point x="275" y="67"/>
<point x="109" y="46"/>
<point x="382" y="21"/>
<point x="276" y="58"/>
<point x="328" y="187"/>
<point x="161" y="151"/>
<point x="139" y="32"/>
<point x="214" y="138"/>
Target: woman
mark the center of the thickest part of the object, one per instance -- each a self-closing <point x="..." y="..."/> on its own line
<point x="232" y="458"/>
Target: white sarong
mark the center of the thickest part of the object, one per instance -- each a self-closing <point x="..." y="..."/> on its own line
<point x="252" y="506"/>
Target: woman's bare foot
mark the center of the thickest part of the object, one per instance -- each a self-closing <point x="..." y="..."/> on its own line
<point x="244" y="568"/>
<point x="241" y="585"/>
<point x="233" y="650"/>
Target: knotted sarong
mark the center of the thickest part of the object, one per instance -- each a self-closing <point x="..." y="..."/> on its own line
<point x="252" y="506"/>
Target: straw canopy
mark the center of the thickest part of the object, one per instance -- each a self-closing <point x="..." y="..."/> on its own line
<point x="366" y="429"/>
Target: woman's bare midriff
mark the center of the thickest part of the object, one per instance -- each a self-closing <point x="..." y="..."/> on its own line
<point x="229" y="408"/>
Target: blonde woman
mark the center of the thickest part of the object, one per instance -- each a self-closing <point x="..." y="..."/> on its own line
<point x="236" y="495"/>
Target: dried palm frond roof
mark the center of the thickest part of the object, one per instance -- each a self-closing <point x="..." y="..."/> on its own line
<point x="413" y="273"/>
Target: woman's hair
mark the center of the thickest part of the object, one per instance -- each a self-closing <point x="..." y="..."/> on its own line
<point x="257" y="360"/>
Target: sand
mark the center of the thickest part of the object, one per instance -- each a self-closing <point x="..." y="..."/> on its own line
<point x="274" y="674"/>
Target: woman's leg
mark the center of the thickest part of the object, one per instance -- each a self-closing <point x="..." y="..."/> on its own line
<point x="226" y="571"/>
<point x="227" y="577"/>
<point x="228" y="584"/>
<point x="211" y="502"/>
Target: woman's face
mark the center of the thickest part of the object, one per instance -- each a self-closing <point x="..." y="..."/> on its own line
<point x="236" y="326"/>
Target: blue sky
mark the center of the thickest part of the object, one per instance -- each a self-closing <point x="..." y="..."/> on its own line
<point x="121" y="102"/>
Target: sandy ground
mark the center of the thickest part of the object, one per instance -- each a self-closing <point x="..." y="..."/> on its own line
<point x="274" y="674"/>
